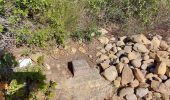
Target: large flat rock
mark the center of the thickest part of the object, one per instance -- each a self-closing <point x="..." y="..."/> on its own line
<point x="86" y="84"/>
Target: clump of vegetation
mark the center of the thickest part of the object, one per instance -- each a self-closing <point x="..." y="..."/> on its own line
<point x="41" y="22"/>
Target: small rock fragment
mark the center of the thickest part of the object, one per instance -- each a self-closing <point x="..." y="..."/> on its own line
<point x="126" y="91"/>
<point x="128" y="49"/>
<point x="131" y="97"/>
<point x="108" y="47"/>
<point x="139" y="75"/>
<point x="161" y="68"/>
<point x="134" y="83"/>
<point x="105" y="64"/>
<point x="102" y="31"/>
<point x="155" y="43"/>
<point x="117" y="82"/>
<point x="119" y="67"/>
<point x="124" y="60"/>
<point x="141" y="92"/>
<point x="136" y="63"/>
<point x="120" y="43"/>
<point x="103" y="40"/>
<point x="164" y="45"/>
<point x="134" y="55"/>
<point x="127" y="75"/>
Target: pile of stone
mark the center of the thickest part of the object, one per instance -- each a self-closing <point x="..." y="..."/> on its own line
<point x="139" y="67"/>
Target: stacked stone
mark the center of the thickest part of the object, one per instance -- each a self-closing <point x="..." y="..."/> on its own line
<point x="137" y="66"/>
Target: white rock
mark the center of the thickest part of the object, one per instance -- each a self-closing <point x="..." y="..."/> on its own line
<point x="141" y="92"/>
<point x="134" y="55"/>
<point x="120" y="43"/>
<point x="25" y="62"/>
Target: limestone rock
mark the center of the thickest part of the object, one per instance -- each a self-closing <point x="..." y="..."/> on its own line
<point x="131" y="97"/>
<point x="110" y="73"/>
<point x="139" y="75"/>
<point x="136" y="63"/>
<point x="103" y="40"/>
<point x="126" y="91"/>
<point x="128" y="49"/>
<point x="164" y="45"/>
<point x="155" y="43"/>
<point x="108" y="47"/>
<point x="124" y="60"/>
<point x="140" y="39"/>
<point x="161" y="68"/>
<point x="117" y="82"/>
<point x="120" y="43"/>
<point x="119" y="67"/>
<point x="134" y="55"/>
<point x="140" y="48"/>
<point x="105" y="64"/>
<point x="134" y="83"/>
<point x="127" y="75"/>
<point x="141" y="92"/>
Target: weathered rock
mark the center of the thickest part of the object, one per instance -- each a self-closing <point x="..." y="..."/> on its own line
<point x="80" y="67"/>
<point x="104" y="57"/>
<point x="128" y="49"/>
<point x="108" y="47"/>
<point x="114" y="50"/>
<point x="124" y="60"/>
<point x="157" y="95"/>
<point x="117" y="82"/>
<point x="126" y="91"/>
<point x="127" y="75"/>
<point x="134" y="83"/>
<point x="140" y="39"/>
<point x="102" y="31"/>
<point x="112" y="55"/>
<point x="119" y="67"/>
<point x="163" y="77"/>
<point x="164" y="45"/>
<point x="155" y="43"/>
<point x="155" y="85"/>
<point x="140" y="48"/>
<point x="119" y="48"/>
<point x="164" y="88"/>
<point x="131" y="97"/>
<point x="105" y="64"/>
<point x="165" y="97"/>
<point x="145" y="57"/>
<point x="136" y="63"/>
<point x="163" y="54"/>
<point x="119" y="53"/>
<point x="134" y="55"/>
<point x="103" y="51"/>
<point x="143" y="85"/>
<point x="110" y="73"/>
<point x="103" y="40"/>
<point x="168" y="72"/>
<point x="141" y="92"/>
<point x="120" y="43"/>
<point x="144" y="66"/>
<point x="149" y="96"/>
<point x="139" y="76"/>
<point x="161" y="68"/>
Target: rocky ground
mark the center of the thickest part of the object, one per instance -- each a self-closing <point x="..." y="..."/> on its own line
<point x="137" y="66"/>
<point x="117" y="68"/>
